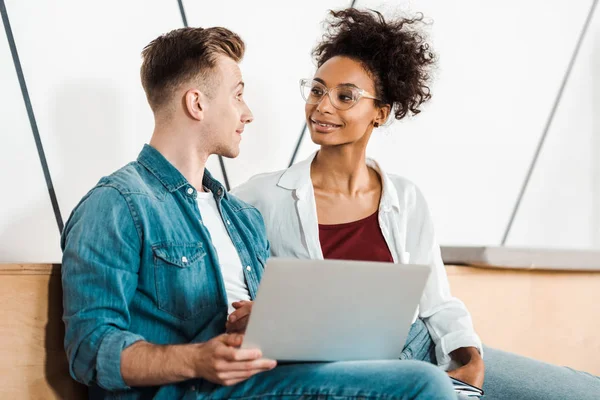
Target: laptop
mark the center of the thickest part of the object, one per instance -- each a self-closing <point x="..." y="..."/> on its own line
<point x="330" y="310"/>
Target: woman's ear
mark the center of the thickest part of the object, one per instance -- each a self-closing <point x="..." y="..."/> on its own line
<point x="382" y="115"/>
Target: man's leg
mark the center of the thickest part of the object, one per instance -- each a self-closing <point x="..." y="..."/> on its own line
<point x="391" y="380"/>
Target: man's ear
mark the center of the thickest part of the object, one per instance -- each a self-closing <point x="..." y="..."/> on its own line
<point x="195" y="104"/>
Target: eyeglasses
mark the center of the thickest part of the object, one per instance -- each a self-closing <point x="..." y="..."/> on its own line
<point x="341" y="97"/>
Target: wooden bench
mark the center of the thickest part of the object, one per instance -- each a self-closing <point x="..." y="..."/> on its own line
<point x="551" y="316"/>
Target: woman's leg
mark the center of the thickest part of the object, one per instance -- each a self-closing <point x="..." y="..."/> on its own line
<point x="510" y="376"/>
<point x="513" y="377"/>
<point x="419" y="345"/>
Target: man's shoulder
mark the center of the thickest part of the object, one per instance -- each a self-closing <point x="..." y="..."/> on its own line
<point x="131" y="179"/>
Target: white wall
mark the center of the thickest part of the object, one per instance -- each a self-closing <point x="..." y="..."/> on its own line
<point x="500" y="66"/>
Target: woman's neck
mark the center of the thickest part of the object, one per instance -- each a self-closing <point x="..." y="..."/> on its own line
<point x="342" y="170"/>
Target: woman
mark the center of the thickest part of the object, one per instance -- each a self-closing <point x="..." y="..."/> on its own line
<point x="339" y="204"/>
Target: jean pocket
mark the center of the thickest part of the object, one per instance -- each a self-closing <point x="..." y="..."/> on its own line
<point x="185" y="282"/>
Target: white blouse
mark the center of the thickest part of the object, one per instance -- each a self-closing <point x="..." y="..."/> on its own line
<point x="287" y="202"/>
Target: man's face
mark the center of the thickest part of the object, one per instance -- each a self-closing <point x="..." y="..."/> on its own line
<point x="227" y="113"/>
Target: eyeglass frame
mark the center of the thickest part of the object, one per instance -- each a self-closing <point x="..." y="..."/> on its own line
<point x="361" y="93"/>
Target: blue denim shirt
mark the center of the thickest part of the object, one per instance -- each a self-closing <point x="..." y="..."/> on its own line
<point x="138" y="264"/>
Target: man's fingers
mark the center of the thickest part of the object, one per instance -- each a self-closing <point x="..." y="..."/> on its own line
<point x="241" y="375"/>
<point x="231" y="354"/>
<point x="235" y="381"/>
<point x="263" y="364"/>
<point x="233" y="339"/>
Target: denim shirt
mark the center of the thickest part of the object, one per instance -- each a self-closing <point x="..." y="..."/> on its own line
<point x="138" y="264"/>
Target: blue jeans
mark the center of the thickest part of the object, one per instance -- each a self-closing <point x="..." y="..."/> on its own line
<point x="513" y="377"/>
<point x="339" y="381"/>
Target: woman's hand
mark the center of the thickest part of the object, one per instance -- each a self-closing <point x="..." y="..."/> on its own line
<point x="473" y="369"/>
<point x="238" y="320"/>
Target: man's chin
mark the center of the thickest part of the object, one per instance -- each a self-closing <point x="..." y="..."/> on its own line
<point x="229" y="153"/>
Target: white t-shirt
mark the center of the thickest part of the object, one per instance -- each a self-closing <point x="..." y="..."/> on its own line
<point x="229" y="259"/>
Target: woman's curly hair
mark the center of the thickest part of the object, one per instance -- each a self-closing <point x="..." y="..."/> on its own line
<point x="394" y="53"/>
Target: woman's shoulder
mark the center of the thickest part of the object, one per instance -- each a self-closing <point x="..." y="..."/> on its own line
<point x="259" y="187"/>
<point x="399" y="183"/>
<point x="406" y="191"/>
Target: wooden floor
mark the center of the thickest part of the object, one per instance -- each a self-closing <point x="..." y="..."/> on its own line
<point x="551" y="316"/>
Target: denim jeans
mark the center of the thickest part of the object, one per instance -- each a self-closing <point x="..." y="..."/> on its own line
<point x="513" y="377"/>
<point x="401" y="379"/>
<point x="339" y="381"/>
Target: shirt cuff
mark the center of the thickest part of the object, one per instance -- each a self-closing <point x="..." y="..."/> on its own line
<point x="453" y="341"/>
<point x="108" y="359"/>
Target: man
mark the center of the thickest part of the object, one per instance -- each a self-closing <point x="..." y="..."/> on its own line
<point x="154" y="254"/>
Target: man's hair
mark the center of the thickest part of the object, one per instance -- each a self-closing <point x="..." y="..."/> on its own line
<point x="183" y="55"/>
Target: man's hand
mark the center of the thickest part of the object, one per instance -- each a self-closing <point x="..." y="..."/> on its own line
<point x="219" y="360"/>
<point x="238" y="320"/>
<point x="222" y="362"/>
<point x="473" y="369"/>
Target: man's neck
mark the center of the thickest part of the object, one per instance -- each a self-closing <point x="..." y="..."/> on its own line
<point x="189" y="158"/>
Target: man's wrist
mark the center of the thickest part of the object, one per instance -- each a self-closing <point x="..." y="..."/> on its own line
<point x="190" y="356"/>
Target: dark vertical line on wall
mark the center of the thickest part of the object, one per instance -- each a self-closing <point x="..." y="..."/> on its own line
<point x="221" y="161"/>
<point x="549" y="121"/>
<point x="182" y="11"/>
<point x="303" y="131"/>
<point x="31" y="115"/>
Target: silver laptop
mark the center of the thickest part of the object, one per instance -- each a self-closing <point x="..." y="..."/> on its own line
<point x="327" y="310"/>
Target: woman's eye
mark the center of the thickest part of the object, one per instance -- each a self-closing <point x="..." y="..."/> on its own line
<point x="316" y="92"/>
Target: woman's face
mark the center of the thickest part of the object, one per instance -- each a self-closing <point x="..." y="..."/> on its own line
<point x="330" y="126"/>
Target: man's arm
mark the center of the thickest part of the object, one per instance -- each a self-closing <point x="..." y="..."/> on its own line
<point x="101" y="258"/>
<point x="219" y="360"/>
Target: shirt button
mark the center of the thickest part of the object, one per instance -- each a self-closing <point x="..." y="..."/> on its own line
<point x="184" y="259"/>
<point x="219" y="192"/>
<point x="248" y="268"/>
<point x="190" y="191"/>
<point x="228" y="222"/>
<point x="193" y="388"/>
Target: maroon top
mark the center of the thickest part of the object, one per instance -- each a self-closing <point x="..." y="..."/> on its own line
<point x="360" y="240"/>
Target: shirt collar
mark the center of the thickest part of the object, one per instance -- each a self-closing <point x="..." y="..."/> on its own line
<point x="297" y="177"/>
<point x="169" y="176"/>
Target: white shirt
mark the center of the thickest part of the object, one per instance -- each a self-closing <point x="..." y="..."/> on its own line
<point x="287" y="202"/>
<point x="229" y="259"/>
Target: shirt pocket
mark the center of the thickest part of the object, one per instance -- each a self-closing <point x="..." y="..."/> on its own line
<point x="260" y="265"/>
<point x="185" y="283"/>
